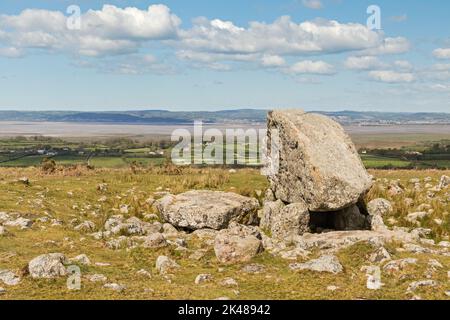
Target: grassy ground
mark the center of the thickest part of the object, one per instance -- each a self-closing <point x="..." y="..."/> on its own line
<point x="72" y="193"/>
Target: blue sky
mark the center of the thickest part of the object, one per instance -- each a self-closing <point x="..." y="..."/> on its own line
<point x="211" y="55"/>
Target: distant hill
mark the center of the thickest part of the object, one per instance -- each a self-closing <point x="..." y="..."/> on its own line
<point x="163" y="117"/>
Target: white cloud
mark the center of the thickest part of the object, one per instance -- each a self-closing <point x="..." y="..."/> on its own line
<point x="312" y="4"/>
<point x="10" y="52"/>
<point x="391" y="76"/>
<point x="442" y="53"/>
<point x="312" y="67"/>
<point x="403" y="65"/>
<point x="389" y="46"/>
<point x="363" y="63"/>
<point x="271" y="61"/>
<point x="282" y="37"/>
<point x="108" y="31"/>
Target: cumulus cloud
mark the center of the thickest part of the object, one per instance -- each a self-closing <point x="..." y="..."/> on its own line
<point x="363" y="63"/>
<point x="312" y="4"/>
<point x="442" y="53"/>
<point x="10" y="52"/>
<point x="389" y="76"/>
<point x="272" y="61"/>
<point x="389" y="46"/>
<point x="108" y="31"/>
<point x="312" y="67"/>
<point x="217" y="44"/>
<point x="282" y="37"/>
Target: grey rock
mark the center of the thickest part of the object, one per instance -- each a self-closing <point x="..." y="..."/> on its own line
<point x="238" y="243"/>
<point x="419" y="284"/>
<point x="379" y="207"/>
<point x="444" y="182"/>
<point x="97" y="278"/>
<point x="349" y="219"/>
<point x="165" y="265"/>
<point x="86" y="226"/>
<point x="229" y="282"/>
<point x="203" y="278"/>
<point x="9" y="278"/>
<point x="380" y="256"/>
<point x="155" y="240"/>
<point x="285" y="222"/>
<point x="114" y="287"/>
<point x="48" y="266"/>
<point x="253" y="268"/>
<point x="81" y="259"/>
<point x="144" y="273"/>
<point x="397" y="265"/>
<point x="318" y="162"/>
<point x="205" y="209"/>
<point x="326" y="263"/>
<point x="19" y="222"/>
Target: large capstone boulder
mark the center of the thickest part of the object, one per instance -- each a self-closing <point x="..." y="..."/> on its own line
<point x="318" y="163"/>
<point x="237" y="244"/>
<point x="48" y="266"/>
<point x="206" y="209"/>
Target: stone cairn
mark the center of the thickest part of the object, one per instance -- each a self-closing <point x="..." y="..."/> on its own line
<point x="321" y="179"/>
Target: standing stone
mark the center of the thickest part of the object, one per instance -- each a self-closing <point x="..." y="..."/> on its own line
<point x="201" y="209"/>
<point x="318" y="163"/>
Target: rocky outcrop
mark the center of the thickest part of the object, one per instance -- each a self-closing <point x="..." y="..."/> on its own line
<point x="205" y="209"/>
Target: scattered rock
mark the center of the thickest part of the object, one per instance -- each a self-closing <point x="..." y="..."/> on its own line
<point x="165" y="265"/>
<point x="198" y="254"/>
<point x="144" y="273"/>
<point x="48" y="266"/>
<point x="86" y="226"/>
<point x="326" y="263"/>
<point x="114" y="287"/>
<point x="444" y="182"/>
<point x="2" y="291"/>
<point x="205" y="209"/>
<point x="332" y="288"/>
<point x="397" y="265"/>
<point x="238" y="243"/>
<point x="2" y="231"/>
<point x="9" y="278"/>
<point x="19" y="222"/>
<point x="419" y="284"/>
<point x="253" y="268"/>
<point x="229" y="282"/>
<point x="81" y="259"/>
<point x="97" y="278"/>
<point x="202" y="278"/>
<point x="379" y="207"/>
<point x="155" y="240"/>
<point x="380" y="256"/>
